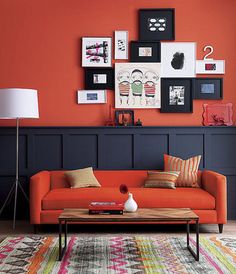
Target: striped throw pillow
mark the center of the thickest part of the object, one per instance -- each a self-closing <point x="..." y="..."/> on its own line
<point x="188" y="169"/>
<point x="161" y="179"/>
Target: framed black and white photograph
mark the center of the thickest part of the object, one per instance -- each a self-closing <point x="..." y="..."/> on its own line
<point x="96" y="52"/>
<point x="208" y="88"/>
<point x="99" y="78"/>
<point x="156" y="24"/>
<point x="91" y="96"/>
<point x="121" y="44"/>
<point x="178" y="59"/>
<point x="145" y="51"/>
<point x="176" y="95"/>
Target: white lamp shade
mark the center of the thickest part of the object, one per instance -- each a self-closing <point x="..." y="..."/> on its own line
<point x="18" y="103"/>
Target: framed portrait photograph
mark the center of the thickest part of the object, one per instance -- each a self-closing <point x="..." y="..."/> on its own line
<point x="178" y="59"/>
<point x="124" y="117"/>
<point x="210" y="66"/>
<point x="96" y="52"/>
<point x="176" y="95"/>
<point x="145" y="51"/>
<point x="137" y="85"/>
<point x="156" y="24"/>
<point x="208" y="88"/>
<point x="91" y="96"/>
<point x="99" y="78"/>
<point x="121" y="44"/>
<point x="218" y="114"/>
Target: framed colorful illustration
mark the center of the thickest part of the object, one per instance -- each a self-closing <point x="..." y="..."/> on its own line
<point x="210" y="66"/>
<point x="176" y="95"/>
<point x="91" y="96"/>
<point x="208" y="88"/>
<point x="145" y="51"/>
<point x="124" y="117"/>
<point x="99" y="78"/>
<point x="137" y="85"/>
<point x="218" y="114"/>
<point x="121" y="44"/>
<point x="156" y="24"/>
<point x="96" y="52"/>
<point x="178" y="59"/>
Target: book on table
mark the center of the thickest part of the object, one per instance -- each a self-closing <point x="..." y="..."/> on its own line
<point x="106" y="208"/>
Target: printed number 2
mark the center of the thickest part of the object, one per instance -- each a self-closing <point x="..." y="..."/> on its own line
<point x="209" y="53"/>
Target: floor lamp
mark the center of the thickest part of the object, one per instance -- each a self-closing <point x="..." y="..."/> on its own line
<point x="17" y="103"/>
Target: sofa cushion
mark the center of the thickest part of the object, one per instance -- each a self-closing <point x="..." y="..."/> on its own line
<point x="163" y="179"/>
<point x="194" y="198"/>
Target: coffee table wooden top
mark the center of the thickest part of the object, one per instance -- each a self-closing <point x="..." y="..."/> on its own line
<point x="141" y="215"/>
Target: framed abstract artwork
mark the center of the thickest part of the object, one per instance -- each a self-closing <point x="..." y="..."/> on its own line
<point x="137" y="85"/>
<point x="208" y="88"/>
<point x="99" y="78"/>
<point x="176" y="95"/>
<point x="145" y="51"/>
<point x="210" y="66"/>
<point x="96" y="52"/>
<point x="121" y="44"/>
<point x="124" y="117"/>
<point x="178" y="59"/>
<point x="91" y="96"/>
<point x="156" y="24"/>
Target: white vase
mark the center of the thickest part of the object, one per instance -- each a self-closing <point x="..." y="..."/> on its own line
<point x="130" y="205"/>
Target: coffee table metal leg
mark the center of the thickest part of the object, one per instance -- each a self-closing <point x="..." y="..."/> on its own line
<point x="60" y="230"/>
<point x="62" y="248"/>
<point x="195" y="254"/>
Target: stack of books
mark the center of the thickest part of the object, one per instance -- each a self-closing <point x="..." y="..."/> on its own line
<point x="106" y="208"/>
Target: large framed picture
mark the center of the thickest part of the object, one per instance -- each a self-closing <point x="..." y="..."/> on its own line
<point x="176" y="95"/>
<point x="208" y="88"/>
<point x="99" y="78"/>
<point x="91" y="96"/>
<point x="210" y="66"/>
<point x="96" y="52"/>
<point x="156" y="24"/>
<point x="137" y="85"/>
<point x="121" y="44"/>
<point x="178" y="59"/>
<point x="145" y="51"/>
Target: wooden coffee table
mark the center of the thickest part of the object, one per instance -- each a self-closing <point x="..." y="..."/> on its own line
<point x="146" y="215"/>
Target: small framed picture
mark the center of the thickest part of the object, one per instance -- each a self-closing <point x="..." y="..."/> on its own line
<point x="156" y="24"/>
<point x="178" y="59"/>
<point x="124" y="117"/>
<point x="96" y="52"/>
<point x="121" y="44"/>
<point x="176" y="95"/>
<point x="91" y="96"/>
<point x="208" y="88"/>
<point x="99" y="78"/>
<point x="218" y="114"/>
<point x="210" y="66"/>
<point x="145" y="51"/>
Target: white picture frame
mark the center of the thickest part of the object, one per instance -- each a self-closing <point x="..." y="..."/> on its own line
<point x="91" y="96"/>
<point x="137" y="85"/>
<point x="178" y="59"/>
<point x="121" y="45"/>
<point x="208" y="66"/>
<point x="96" y="52"/>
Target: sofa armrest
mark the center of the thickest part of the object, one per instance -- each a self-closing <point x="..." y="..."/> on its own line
<point x="39" y="187"/>
<point x="215" y="184"/>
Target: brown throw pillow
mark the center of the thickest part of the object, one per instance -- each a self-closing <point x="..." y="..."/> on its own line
<point x="82" y="178"/>
<point x="161" y="179"/>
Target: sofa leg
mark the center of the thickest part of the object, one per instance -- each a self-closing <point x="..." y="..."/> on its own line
<point x="35" y="229"/>
<point x="220" y="227"/>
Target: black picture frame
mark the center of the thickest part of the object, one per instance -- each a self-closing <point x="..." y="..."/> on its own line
<point x="208" y="88"/>
<point x="107" y="82"/>
<point x="176" y="95"/>
<point x="129" y="113"/>
<point x="138" y="55"/>
<point x="162" y="27"/>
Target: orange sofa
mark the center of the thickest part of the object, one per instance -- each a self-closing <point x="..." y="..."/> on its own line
<point x="50" y="194"/>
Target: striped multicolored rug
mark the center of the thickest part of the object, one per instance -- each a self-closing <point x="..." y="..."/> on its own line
<point x="154" y="254"/>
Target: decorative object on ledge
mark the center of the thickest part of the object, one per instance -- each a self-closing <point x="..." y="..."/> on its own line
<point x="176" y="95"/>
<point x="208" y="65"/>
<point x="137" y="85"/>
<point x="99" y="78"/>
<point x="124" y="117"/>
<point x="91" y="96"/>
<point x="96" y="52"/>
<point x="141" y="51"/>
<point x="121" y="44"/>
<point x="139" y="123"/>
<point x="208" y="88"/>
<point x="110" y="122"/>
<point x="218" y="114"/>
<point x="156" y="24"/>
<point x="178" y="59"/>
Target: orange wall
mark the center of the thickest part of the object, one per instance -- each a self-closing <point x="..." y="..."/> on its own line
<point x="40" y="48"/>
